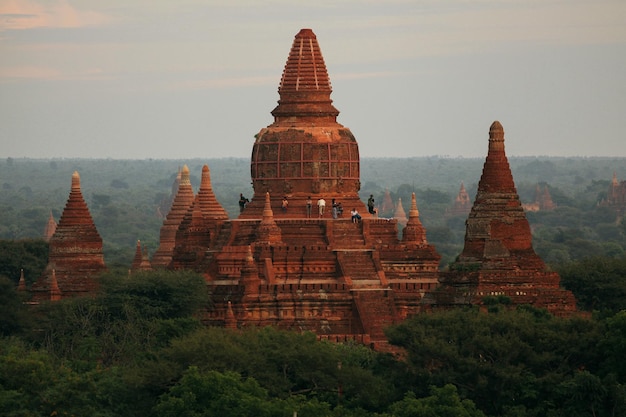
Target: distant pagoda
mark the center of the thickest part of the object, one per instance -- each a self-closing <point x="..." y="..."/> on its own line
<point x="462" y="204"/>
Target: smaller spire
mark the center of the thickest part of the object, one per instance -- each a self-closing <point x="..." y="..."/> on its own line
<point x="55" y="292"/>
<point x="21" y="286"/>
<point x="400" y="214"/>
<point x="268" y="231"/>
<point x="413" y="212"/>
<point x="230" y="321"/>
<point x="51" y="227"/>
<point x="414" y="231"/>
<point x="268" y="214"/>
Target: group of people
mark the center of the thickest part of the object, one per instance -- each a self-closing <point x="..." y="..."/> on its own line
<point x="336" y="207"/>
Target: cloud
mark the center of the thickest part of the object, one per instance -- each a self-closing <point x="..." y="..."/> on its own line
<point x="32" y="14"/>
<point x="31" y="72"/>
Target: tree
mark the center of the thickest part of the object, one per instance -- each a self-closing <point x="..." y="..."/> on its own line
<point x="443" y="402"/>
<point x="14" y="317"/>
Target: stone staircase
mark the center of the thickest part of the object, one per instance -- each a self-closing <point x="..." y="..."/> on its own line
<point x="358" y="266"/>
<point x="376" y="310"/>
<point x="346" y="235"/>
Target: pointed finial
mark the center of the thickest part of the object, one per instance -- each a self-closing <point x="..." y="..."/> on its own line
<point x="496" y="137"/>
<point x="268" y="214"/>
<point x="21" y="286"/>
<point x="184" y="175"/>
<point x="205" y="182"/>
<point x="413" y="212"/>
<point x="230" y="321"/>
<point x="75" y="181"/>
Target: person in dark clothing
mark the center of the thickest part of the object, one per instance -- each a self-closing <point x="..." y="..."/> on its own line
<point x="242" y="202"/>
<point x="370" y="204"/>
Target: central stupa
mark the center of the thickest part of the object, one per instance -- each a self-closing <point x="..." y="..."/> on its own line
<point x="305" y="152"/>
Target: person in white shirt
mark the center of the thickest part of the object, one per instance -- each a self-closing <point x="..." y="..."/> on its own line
<point x="321" y="205"/>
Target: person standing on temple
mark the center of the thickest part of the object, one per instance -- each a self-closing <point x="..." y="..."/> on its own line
<point x="284" y="204"/>
<point x="242" y="202"/>
<point x="321" y="205"/>
<point x="334" y="209"/>
<point x="309" y="205"/>
<point x="370" y="204"/>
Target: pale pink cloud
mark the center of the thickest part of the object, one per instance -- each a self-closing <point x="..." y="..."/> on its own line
<point x="26" y="72"/>
<point x="30" y="14"/>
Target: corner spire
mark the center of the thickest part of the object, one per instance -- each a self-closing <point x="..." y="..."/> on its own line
<point x="414" y="231"/>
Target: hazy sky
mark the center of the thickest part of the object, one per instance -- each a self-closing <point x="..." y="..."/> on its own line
<point x="198" y="79"/>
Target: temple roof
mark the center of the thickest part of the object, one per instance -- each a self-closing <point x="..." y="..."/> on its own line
<point x="305" y="86"/>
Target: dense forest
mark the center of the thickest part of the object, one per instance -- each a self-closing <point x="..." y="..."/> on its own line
<point x="139" y="347"/>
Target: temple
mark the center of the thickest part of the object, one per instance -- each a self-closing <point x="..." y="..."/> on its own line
<point x="287" y="261"/>
<point x="276" y="265"/>
<point x="615" y="196"/>
<point x="462" y="204"/>
<point x="542" y="202"/>
<point x="498" y="258"/>
<point x="75" y="255"/>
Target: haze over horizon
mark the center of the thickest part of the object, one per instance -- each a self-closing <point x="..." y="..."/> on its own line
<point x="195" y="79"/>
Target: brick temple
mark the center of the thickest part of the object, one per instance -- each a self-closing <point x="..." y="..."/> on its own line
<point x="498" y="258"/>
<point x="287" y="264"/>
<point x="75" y="252"/>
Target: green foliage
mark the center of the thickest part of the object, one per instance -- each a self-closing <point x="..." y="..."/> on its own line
<point x="227" y="394"/>
<point x="598" y="283"/>
<point x="506" y="361"/>
<point x="31" y="255"/>
<point x="130" y="318"/>
<point x="14" y="317"/>
<point x="443" y="402"/>
<point x="160" y="294"/>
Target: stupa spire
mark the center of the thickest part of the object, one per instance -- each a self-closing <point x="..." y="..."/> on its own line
<point x="414" y="231"/>
<point x="208" y="204"/>
<point x="497" y="227"/>
<point x="51" y="227"/>
<point x="75" y="249"/>
<point x="305" y="86"/>
<point x="268" y="231"/>
<point x="400" y="214"/>
<point x="305" y="152"/>
<point x="183" y="200"/>
<point x="21" y="285"/>
<point x="55" y="292"/>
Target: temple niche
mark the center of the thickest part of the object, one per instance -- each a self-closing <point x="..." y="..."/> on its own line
<point x="498" y="258"/>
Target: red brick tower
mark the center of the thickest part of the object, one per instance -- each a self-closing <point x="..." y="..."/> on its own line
<point x="305" y="152"/>
<point x="183" y="200"/>
<point x="498" y="258"/>
<point x="75" y="255"/>
<point x="200" y="225"/>
<point x="51" y="227"/>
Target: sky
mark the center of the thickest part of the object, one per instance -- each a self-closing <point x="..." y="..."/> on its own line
<point x="137" y="79"/>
